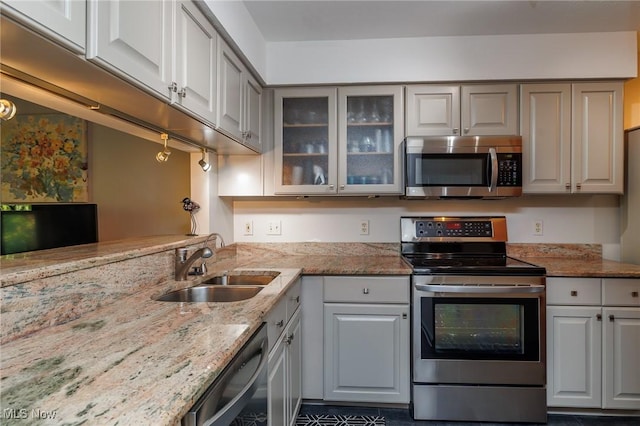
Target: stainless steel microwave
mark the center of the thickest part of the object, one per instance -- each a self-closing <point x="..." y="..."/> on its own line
<point x="463" y="167"/>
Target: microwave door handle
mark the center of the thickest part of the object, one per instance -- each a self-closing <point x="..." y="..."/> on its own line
<point x="493" y="160"/>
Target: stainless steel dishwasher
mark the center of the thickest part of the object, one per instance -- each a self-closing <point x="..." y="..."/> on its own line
<point x="239" y="395"/>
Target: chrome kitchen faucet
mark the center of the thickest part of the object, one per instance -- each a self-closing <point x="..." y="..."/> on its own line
<point x="182" y="264"/>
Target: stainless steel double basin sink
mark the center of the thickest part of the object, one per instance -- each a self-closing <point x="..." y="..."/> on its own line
<point x="223" y="288"/>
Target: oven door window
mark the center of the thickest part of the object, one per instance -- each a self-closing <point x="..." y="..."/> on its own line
<point x="448" y="170"/>
<point x="480" y="328"/>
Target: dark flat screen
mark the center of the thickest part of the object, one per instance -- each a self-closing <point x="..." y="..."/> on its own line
<point x="30" y="227"/>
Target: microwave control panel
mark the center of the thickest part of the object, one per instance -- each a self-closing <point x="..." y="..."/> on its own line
<point x="509" y="170"/>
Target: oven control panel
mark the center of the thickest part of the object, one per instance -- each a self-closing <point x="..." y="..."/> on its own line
<point x="462" y="228"/>
<point x="446" y="228"/>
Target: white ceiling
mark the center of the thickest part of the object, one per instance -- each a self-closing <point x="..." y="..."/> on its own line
<point x="307" y="20"/>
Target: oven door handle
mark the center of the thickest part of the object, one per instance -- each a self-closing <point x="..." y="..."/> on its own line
<point x="493" y="156"/>
<point x="481" y="289"/>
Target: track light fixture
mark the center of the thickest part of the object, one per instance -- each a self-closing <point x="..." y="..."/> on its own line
<point x="205" y="166"/>
<point x="7" y="109"/>
<point x="163" y="155"/>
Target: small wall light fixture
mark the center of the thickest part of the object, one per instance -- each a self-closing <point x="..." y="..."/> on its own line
<point x="163" y="155"/>
<point x="7" y="109"/>
<point x="205" y="166"/>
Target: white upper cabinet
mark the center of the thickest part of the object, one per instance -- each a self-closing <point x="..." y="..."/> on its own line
<point x="134" y="39"/>
<point x="63" y="21"/>
<point x="572" y="138"/>
<point x="195" y="62"/>
<point x="168" y="48"/>
<point x="469" y="110"/>
<point x="433" y="110"/>
<point x="239" y="99"/>
<point x="598" y="152"/>
<point x="546" y="137"/>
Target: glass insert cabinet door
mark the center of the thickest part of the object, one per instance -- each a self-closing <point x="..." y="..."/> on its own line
<point x="370" y="130"/>
<point x="305" y="140"/>
<point x="344" y="140"/>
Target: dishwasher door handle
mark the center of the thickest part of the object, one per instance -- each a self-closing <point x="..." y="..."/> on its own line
<point x="481" y="289"/>
<point x="230" y="411"/>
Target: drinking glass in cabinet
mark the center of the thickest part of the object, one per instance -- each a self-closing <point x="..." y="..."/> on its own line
<point x="304" y="111"/>
<point x="369" y="109"/>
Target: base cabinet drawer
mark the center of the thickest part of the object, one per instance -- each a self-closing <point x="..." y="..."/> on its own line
<point x="573" y="291"/>
<point x="366" y="289"/>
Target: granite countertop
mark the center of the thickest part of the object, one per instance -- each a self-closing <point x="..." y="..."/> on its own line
<point x="597" y="268"/>
<point x="22" y="267"/>
<point x="136" y="361"/>
<point x="573" y="260"/>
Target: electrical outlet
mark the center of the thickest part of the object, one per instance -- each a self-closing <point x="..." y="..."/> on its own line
<point x="273" y="228"/>
<point x="364" y="227"/>
<point x="248" y="228"/>
<point x="538" y="228"/>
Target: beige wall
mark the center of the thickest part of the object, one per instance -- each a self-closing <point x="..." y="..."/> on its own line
<point x="136" y="195"/>
<point x="632" y="98"/>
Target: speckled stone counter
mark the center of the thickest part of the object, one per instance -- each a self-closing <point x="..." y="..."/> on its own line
<point x="136" y="361"/>
<point x="83" y="341"/>
<point x="573" y="260"/>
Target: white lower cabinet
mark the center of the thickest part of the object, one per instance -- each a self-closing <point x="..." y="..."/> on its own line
<point x="593" y="343"/>
<point x="285" y="360"/>
<point x="366" y="339"/>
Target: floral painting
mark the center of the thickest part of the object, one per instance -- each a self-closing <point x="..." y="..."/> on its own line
<point x="44" y="159"/>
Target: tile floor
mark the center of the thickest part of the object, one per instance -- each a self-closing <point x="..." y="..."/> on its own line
<point x="402" y="417"/>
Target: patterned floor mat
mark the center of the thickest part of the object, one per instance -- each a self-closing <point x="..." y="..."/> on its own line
<point x="331" y="420"/>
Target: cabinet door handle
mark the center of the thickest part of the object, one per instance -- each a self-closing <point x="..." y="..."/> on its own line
<point x="567" y="186"/>
<point x="578" y="186"/>
<point x="466" y="130"/>
<point x="599" y="317"/>
<point x="331" y="186"/>
<point x="634" y="294"/>
<point x="404" y="315"/>
<point x="455" y="130"/>
<point x="296" y="299"/>
<point x="574" y="293"/>
<point x="365" y="291"/>
<point x="289" y="339"/>
<point x="280" y="323"/>
<point x="173" y="87"/>
<point x="612" y="318"/>
<point x="182" y="93"/>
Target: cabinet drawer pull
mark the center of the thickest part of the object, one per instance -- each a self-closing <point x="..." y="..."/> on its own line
<point x="574" y="293"/>
<point x="296" y="299"/>
<point x="599" y="317"/>
<point x="365" y="291"/>
<point x="280" y="323"/>
<point x="567" y="186"/>
<point x="612" y="318"/>
<point x="634" y="294"/>
<point x="404" y="315"/>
